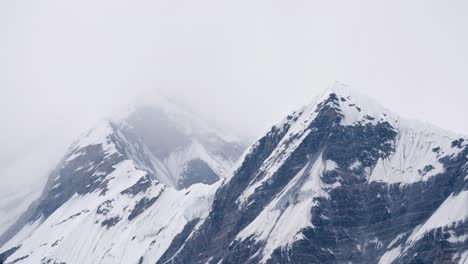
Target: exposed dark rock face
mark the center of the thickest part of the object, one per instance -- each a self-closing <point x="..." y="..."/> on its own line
<point x="317" y="188"/>
<point x="197" y="171"/>
<point x="104" y="208"/>
<point x="72" y="178"/>
<point x="82" y="171"/>
<point x="6" y="254"/>
<point x="360" y="212"/>
<point x="178" y="241"/>
<point x="141" y="206"/>
<point x="358" y="221"/>
<point x="123" y="166"/>
<point x="163" y="135"/>
<point x="52" y="261"/>
<point x="142" y="185"/>
<point x="111" y="221"/>
<point x="86" y="169"/>
<point x="20" y="259"/>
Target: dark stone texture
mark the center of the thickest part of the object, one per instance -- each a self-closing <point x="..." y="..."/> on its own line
<point x="197" y="171"/>
<point x="111" y="221"/>
<point x="8" y="253"/>
<point x="178" y="241"/>
<point x="458" y="143"/>
<point x="357" y="215"/>
<point x="19" y="259"/>
<point x="141" y="186"/>
<point x="141" y="206"/>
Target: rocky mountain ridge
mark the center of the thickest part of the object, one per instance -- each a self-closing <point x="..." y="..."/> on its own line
<point x="342" y="180"/>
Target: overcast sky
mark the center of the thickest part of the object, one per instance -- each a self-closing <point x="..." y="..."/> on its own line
<point x="246" y="64"/>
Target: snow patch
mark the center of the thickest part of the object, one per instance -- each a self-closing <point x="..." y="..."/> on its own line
<point x="390" y="255"/>
<point x="281" y="222"/>
<point x="452" y="210"/>
<point x="463" y="257"/>
<point x="147" y="235"/>
<point x="395" y="240"/>
<point x="99" y="135"/>
<point x="177" y="161"/>
<point x="457" y="239"/>
<point x="330" y="165"/>
<point x="355" y="165"/>
<point x="418" y="149"/>
<point x="277" y="158"/>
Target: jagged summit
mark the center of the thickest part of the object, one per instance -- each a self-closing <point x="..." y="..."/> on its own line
<point x="183" y="148"/>
<point x="341" y="180"/>
<point x="359" y="108"/>
<point x="353" y="106"/>
<point x="122" y="166"/>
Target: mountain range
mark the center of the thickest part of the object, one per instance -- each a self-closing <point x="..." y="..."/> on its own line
<point x="341" y="180"/>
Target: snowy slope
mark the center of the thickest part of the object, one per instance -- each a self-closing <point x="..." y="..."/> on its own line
<point x="182" y="143"/>
<point x="112" y="235"/>
<point x="342" y="179"/>
<point x="417" y="156"/>
<point x="417" y="144"/>
<point x="114" y="184"/>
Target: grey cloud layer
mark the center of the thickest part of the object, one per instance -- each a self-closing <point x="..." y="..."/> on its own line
<point x="242" y="63"/>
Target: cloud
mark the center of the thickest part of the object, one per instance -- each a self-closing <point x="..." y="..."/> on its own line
<point x="64" y="64"/>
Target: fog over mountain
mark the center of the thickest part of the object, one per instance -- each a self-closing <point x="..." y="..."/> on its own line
<point x="244" y="64"/>
<point x="341" y="179"/>
<point x="239" y="66"/>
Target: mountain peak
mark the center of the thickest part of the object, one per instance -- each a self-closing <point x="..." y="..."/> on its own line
<point x="341" y="180"/>
<point x="345" y="107"/>
<point x="355" y="108"/>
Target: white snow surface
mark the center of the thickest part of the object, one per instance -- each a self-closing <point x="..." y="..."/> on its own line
<point x="169" y="170"/>
<point x="452" y="211"/>
<point x="278" y="225"/>
<point x="389" y="256"/>
<point x="205" y="139"/>
<point x="418" y="148"/>
<point x="272" y="164"/>
<point x="282" y="220"/>
<point x="464" y="257"/>
<point x="414" y="144"/>
<point x="413" y="147"/>
<point x="177" y="161"/>
<point x="149" y="234"/>
<point x="74" y="234"/>
<point x="99" y="135"/>
<point x="414" y="150"/>
<point x="457" y="239"/>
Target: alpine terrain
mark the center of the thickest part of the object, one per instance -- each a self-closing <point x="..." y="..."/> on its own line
<point x="124" y="189"/>
<point x="342" y="180"/>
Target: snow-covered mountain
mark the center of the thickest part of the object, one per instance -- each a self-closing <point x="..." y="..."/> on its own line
<point x="183" y="148"/>
<point x="156" y="157"/>
<point x="342" y="180"/>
